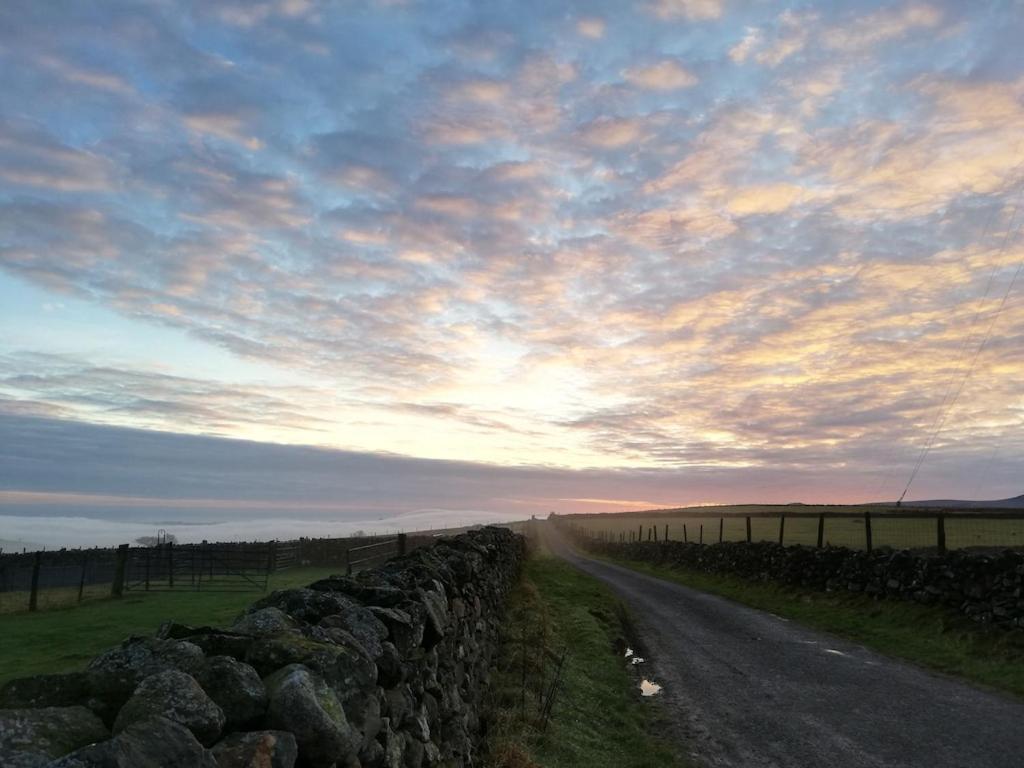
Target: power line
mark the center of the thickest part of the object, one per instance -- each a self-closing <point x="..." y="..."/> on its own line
<point x="981" y="347"/>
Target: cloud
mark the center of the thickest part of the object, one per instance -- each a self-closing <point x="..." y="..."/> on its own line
<point x="520" y="234"/>
<point x="693" y="10"/>
<point x="667" y="75"/>
<point x="31" y="158"/>
<point x="874" y="28"/>
<point x="612" y="133"/>
<point x="788" y="36"/>
<point x="70" y="479"/>
<point x="591" y="27"/>
<point x="765" y="198"/>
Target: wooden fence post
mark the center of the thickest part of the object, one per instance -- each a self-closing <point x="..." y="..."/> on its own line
<point x="940" y="532"/>
<point x="81" y="579"/>
<point x="147" y="568"/>
<point x="748" y="530"/>
<point x="821" y="530"/>
<point x="170" y="564"/>
<point x="685" y="537"/>
<point x="33" y="597"/>
<point x="701" y="540"/>
<point x="867" y="530"/>
<point x="782" y="529"/>
<point x="640" y="532"/>
<point x="272" y="558"/>
<point x="721" y="529"/>
<point x="120" y="565"/>
<point x="654" y="528"/>
<point x="666" y="531"/>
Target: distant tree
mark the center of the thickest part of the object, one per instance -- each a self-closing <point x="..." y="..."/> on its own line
<point x="359" y="534"/>
<point x="152" y="541"/>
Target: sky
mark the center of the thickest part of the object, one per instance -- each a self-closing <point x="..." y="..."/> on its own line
<point x="360" y="260"/>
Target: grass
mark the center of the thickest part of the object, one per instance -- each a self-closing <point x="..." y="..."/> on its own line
<point x="928" y="636"/>
<point x="65" y="639"/>
<point x="54" y="597"/>
<point x="896" y="532"/>
<point x="599" y="719"/>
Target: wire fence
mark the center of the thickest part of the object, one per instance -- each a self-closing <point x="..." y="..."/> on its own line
<point x="868" y="529"/>
<point x="34" y="581"/>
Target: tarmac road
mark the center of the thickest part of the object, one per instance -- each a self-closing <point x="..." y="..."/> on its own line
<point x="747" y="689"/>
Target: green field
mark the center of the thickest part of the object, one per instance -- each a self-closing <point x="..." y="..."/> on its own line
<point x="65" y="639"/>
<point x="599" y="719"/>
<point x="50" y="599"/>
<point x="972" y="530"/>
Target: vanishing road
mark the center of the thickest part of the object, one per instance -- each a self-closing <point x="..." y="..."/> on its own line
<point x="747" y="689"/>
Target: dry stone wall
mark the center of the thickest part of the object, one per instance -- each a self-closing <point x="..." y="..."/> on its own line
<point x="986" y="587"/>
<point x="385" y="669"/>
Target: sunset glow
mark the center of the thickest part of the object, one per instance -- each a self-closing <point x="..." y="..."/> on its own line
<point x="682" y="252"/>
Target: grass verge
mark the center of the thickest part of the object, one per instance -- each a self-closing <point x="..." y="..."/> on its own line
<point x="929" y="636"/>
<point x="598" y="719"/>
<point x="65" y="639"/>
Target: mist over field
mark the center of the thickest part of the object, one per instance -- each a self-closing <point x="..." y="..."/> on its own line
<point x="19" y="532"/>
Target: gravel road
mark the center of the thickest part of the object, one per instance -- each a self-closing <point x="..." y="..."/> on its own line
<point x="747" y="689"/>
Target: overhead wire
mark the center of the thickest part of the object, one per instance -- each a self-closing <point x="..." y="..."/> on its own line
<point x="947" y="407"/>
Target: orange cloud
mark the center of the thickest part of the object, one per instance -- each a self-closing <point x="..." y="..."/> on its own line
<point x="667" y="75"/>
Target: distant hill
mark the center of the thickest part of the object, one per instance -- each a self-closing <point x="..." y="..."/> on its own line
<point x="1017" y="502"/>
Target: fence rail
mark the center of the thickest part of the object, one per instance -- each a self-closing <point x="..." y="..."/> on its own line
<point x="221" y="568"/>
<point x="374" y="553"/>
<point x="36" y="580"/>
<point x="920" y="528"/>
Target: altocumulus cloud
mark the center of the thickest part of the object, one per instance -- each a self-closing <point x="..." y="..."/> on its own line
<point x="683" y="252"/>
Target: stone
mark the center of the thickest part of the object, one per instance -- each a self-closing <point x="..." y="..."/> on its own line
<point x="144" y="656"/>
<point x="265" y="621"/>
<point x="154" y="743"/>
<point x="211" y="640"/>
<point x="414" y="753"/>
<point x="102" y="693"/>
<point x="236" y="688"/>
<point x="302" y="703"/>
<point x="63" y="690"/>
<point x="431" y="754"/>
<point x="379" y="594"/>
<point x="47" y="732"/>
<point x="25" y="760"/>
<point x="372" y="755"/>
<point x="417" y="726"/>
<point x="436" y="605"/>
<point x="404" y="631"/>
<point x="363" y="625"/>
<point x="178" y="697"/>
<point x="394" y="748"/>
<point x="257" y="749"/>
<point x="390" y="672"/>
<point x="346" y="669"/>
<point x="400" y="704"/>
<point x="306" y="605"/>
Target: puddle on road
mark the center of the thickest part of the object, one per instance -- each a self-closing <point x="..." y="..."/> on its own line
<point x="633" y="658"/>
<point x="647" y="688"/>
